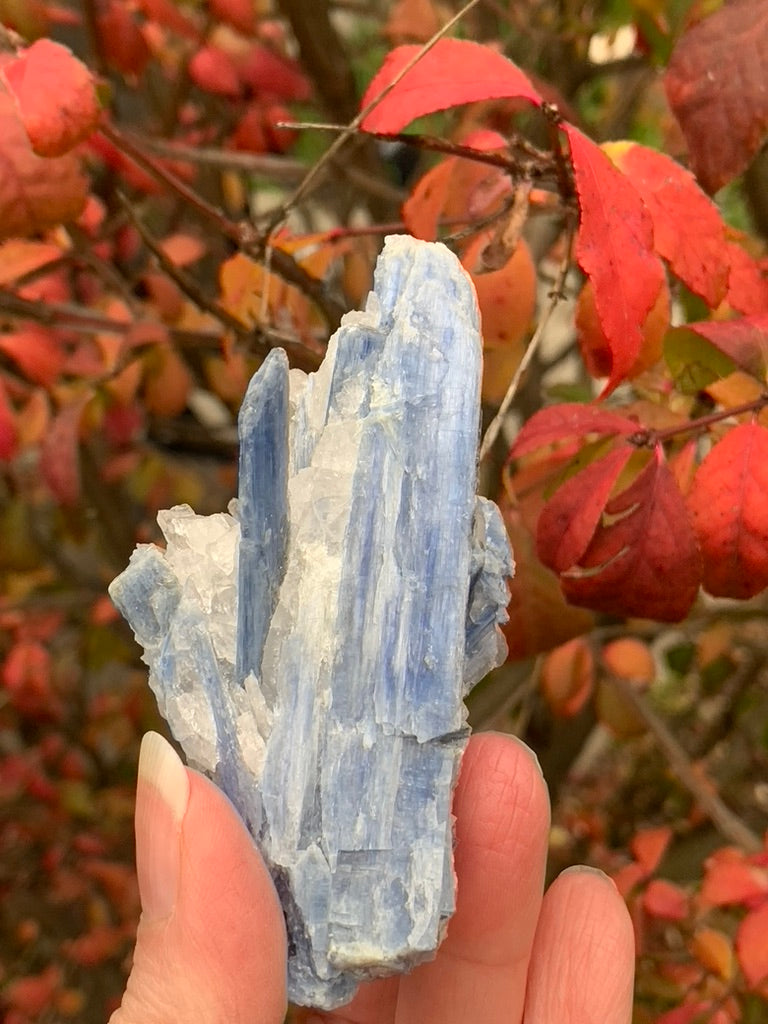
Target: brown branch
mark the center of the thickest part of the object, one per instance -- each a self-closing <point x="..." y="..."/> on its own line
<point x="243" y="233"/>
<point x="280" y="167"/>
<point x="729" y="825"/>
<point x="323" y="54"/>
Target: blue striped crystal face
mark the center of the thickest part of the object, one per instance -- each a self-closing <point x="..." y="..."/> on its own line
<point x="311" y="649"/>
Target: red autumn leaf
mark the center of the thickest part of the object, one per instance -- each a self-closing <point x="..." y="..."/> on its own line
<point x="240" y="14"/>
<point x="120" y="38"/>
<point x="729" y="507"/>
<point x="744" y="340"/>
<point x="614" y="248"/>
<point x="539" y="618"/>
<point x="59" y="456"/>
<point x="747" y="285"/>
<point x="101" y="943"/>
<point x="8" y="433"/>
<point x="35" y="193"/>
<point x="666" y="901"/>
<point x="214" y="71"/>
<point x="167" y="14"/>
<point x="270" y="75"/>
<point x="454" y="71"/>
<point x="56" y="97"/>
<point x="730" y="878"/>
<point x="567" y="677"/>
<point x="571" y="516"/>
<point x="648" y="846"/>
<point x="715" y="83"/>
<point x="752" y="946"/>
<point x="26" y="678"/>
<point x="37" y="351"/>
<point x="559" y="422"/>
<point x="699" y="1012"/>
<point x="646" y="535"/>
<point x="688" y="231"/>
<point x="33" y="994"/>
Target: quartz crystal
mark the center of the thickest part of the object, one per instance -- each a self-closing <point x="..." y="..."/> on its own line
<point x="311" y="649"/>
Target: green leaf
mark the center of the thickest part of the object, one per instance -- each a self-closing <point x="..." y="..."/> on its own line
<point x="693" y="361"/>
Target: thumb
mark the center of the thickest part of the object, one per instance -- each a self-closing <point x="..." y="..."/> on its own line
<point x="211" y="940"/>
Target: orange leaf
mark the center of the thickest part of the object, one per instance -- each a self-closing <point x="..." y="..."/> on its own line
<point x="458" y="189"/>
<point x="713" y="950"/>
<point x="413" y="20"/>
<point x="752" y="946"/>
<point x="595" y="347"/>
<point x="19" y="257"/>
<point x="567" y="677"/>
<point x="37" y="351"/>
<point x="629" y="658"/>
<point x="56" y="97"/>
<point x="183" y="249"/>
<point x="729" y="506"/>
<point x="666" y="901"/>
<point x="688" y="231"/>
<point x="454" y="71"/>
<point x="730" y="878"/>
<point x="648" y="846"/>
<point x="614" y="248"/>
<point x="167" y="382"/>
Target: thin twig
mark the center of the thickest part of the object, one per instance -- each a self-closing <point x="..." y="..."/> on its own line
<point x="729" y="825"/>
<point x="243" y="233"/>
<point x="189" y="287"/>
<point x="556" y="295"/>
<point x="280" y="167"/>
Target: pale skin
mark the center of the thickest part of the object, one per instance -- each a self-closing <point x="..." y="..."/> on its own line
<point x="211" y="945"/>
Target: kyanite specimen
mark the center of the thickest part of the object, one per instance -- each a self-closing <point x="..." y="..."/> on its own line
<point x="311" y="649"/>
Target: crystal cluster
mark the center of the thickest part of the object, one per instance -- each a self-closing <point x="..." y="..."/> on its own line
<point x="311" y="649"/>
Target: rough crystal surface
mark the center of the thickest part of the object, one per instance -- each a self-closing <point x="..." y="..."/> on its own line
<point x="310" y="650"/>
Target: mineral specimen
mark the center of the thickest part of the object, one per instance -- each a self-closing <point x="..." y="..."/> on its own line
<point x="311" y="649"/>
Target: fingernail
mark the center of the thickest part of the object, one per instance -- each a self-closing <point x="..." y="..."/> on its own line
<point x="162" y="795"/>
<point x="587" y="869"/>
<point x="516" y="739"/>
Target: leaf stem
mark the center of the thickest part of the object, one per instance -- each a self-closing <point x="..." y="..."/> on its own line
<point x="651" y="438"/>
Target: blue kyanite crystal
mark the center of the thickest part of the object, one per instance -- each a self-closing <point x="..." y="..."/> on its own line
<point x="311" y="650"/>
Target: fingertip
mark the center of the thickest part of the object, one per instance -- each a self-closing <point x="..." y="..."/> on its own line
<point x="582" y="967"/>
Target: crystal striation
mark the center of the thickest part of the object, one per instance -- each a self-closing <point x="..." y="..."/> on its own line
<point x="311" y="649"/>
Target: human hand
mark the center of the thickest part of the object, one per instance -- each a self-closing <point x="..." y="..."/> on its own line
<point x="211" y="945"/>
